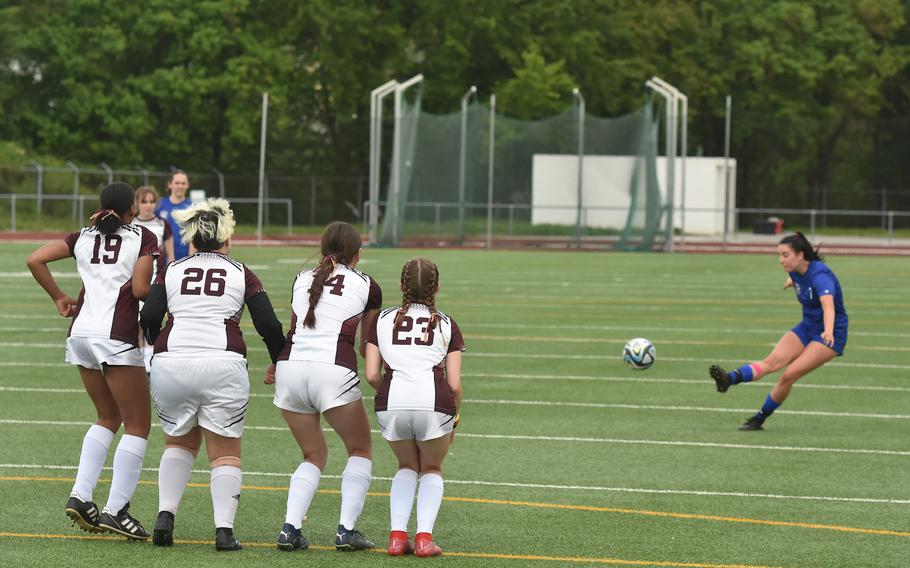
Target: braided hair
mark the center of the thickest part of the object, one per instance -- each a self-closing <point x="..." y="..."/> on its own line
<point x="340" y="243"/>
<point x="207" y="224"/>
<point x="419" y="284"/>
<point x="800" y="244"/>
<point x="116" y="200"/>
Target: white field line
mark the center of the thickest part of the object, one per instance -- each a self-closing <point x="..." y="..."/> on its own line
<point x="636" y="329"/>
<point x="643" y="329"/>
<point x="595" y="378"/>
<point x="253" y="348"/>
<point x="699" y="493"/>
<point x="620" y="406"/>
<point x="590" y="440"/>
<point x="519" y="356"/>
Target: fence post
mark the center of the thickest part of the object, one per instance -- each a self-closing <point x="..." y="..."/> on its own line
<point x="75" y="189"/>
<point x="290" y="206"/>
<point x="39" y="185"/>
<point x="220" y="182"/>
<point x="436" y="227"/>
<point x="890" y="226"/>
<point x="511" y="216"/>
<point x="312" y="201"/>
<point x="812" y="223"/>
<point x="110" y="173"/>
<point x="12" y="212"/>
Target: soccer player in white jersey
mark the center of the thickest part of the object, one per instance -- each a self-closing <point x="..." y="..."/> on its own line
<point x="199" y="377"/>
<point x="114" y="260"/>
<point x="417" y="400"/>
<point x="144" y="208"/>
<point x="317" y="374"/>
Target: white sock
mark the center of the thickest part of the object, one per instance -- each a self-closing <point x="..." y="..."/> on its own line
<point x="355" y="482"/>
<point x="127" y="467"/>
<point x="95" y="444"/>
<point x="173" y="475"/>
<point x="401" y="498"/>
<point x="429" y="498"/>
<point x="226" y="481"/>
<point x="303" y="487"/>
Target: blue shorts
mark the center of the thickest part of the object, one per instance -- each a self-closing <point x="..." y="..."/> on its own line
<point x="807" y="332"/>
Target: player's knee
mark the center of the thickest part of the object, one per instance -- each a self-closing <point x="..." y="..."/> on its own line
<point x="318" y="459"/>
<point x="109" y="420"/>
<point x="789" y="377"/>
<point x="430" y="468"/>
<point x="192" y="451"/>
<point x="225" y="460"/>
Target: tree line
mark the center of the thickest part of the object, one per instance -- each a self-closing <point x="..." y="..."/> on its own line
<point x="820" y="87"/>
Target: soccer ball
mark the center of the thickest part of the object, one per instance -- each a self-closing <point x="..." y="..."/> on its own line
<point x="639" y="353"/>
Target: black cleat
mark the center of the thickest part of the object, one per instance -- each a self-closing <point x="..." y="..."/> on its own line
<point x="163" y="535"/>
<point x="351" y="540"/>
<point x="122" y="523"/>
<point x="224" y="540"/>
<point x="721" y="378"/>
<point x="84" y="513"/>
<point x="290" y="539"/>
<point x="754" y="423"/>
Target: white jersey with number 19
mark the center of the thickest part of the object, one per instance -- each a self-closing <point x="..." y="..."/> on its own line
<point x="106" y="307"/>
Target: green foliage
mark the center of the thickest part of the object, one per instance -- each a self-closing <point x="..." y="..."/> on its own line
<point x="817" y="86"/>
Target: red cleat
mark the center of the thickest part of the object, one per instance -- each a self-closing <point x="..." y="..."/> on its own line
<point x="424" y="545"/>
<point x="399" y="544"/>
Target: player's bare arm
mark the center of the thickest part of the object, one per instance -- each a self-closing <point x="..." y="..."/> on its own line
<point x="827" y="302"/>
<point x="37" y="264"/>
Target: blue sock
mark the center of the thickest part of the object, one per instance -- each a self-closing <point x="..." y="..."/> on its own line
<point x="742" y="375"/>
<point x="768" y="408"/>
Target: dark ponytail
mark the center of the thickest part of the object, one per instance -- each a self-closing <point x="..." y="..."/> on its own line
<point x="800" y="244"/>
<point x="340" y="244"/>
<point x="116" y="201"/>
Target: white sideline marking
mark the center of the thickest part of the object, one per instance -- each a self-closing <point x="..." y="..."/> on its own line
<point x="653" y="407"/>
<point x="694" y="382"/>
<point x="560" y="439"/>
<point x="700" y="383"/>
<point x="518" y="356"/>
<point x="699" y="493"/>
<point x="61" y="346"/>
<point x="688" y="408"/>
<point x="643" y="328"/>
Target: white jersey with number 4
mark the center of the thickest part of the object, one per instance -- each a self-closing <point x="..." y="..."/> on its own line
<point x="206" y="293"/>
<point x="347" y="293"/>
<point x="106" y="306"/>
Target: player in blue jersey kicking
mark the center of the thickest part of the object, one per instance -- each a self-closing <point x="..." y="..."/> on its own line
<point x="818" y="338"/>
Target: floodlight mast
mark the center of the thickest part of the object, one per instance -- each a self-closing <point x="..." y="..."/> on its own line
<point x="668" y="95"/>
<point x="376" y="96"/>
<point x="683" y="119"/>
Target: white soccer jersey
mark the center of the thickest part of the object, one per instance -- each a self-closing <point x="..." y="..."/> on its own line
<point x="346" y="295"/>
<point x="162" y="231"/>
<point x="106" y="306"/>
<point x="415" y="377"/>
<point x="206" y="293"/>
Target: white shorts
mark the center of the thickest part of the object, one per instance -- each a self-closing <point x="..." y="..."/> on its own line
<point x="212" y="392"/>
<point x="420" y="425"/>
<point x="308" y="387"/>
<point x="92" y="352"/>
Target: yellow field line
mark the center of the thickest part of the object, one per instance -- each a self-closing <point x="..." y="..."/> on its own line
<point x="540" y="505"/>
<point x="487" y="555"/>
